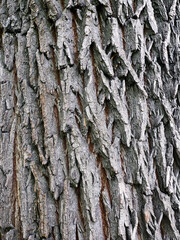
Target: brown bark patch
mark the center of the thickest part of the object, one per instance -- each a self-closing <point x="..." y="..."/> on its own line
<point x="54" y="34"/>
<point x="104" y="179"/>
<point x="106" y="109"/>
<point x="62" y="4"/>
<point x="145" y="79"/>
<point x="123" y="37"/>
<point x="94" y="68"/>
<point x="57" y="212"/>
<point x="113" y="135"/>
<point x="104" y="220"/>
<point x="104" y="184"/>
<point x="56" y="114"/>
<point x="66" y="152"/>
<point x="14" y="181"/>
<point x="134" y="5"/>
<point x="15" y="83"/>
<point x="79" y="102"/>
<point x="56" y="71"/>
<point x="74" y="26"/>
<point x="149" y="142"/>
<point x="122" y="161"/>
<point x="98" y="160"/>
<point x="20" y="228"/>
<point x="89" y="139"/>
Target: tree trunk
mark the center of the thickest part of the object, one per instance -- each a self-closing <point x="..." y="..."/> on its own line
<point x="90" y="119"/>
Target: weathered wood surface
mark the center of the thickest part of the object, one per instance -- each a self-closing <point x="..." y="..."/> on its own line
<point x="89" y="119"/>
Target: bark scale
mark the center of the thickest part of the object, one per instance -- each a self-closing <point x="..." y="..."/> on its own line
<point x="89" y="119"/>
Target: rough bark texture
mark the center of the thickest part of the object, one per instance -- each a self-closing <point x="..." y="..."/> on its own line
<point x="89" y="119"/>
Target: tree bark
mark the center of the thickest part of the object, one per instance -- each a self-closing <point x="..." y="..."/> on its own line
<point x="89" y="119"/>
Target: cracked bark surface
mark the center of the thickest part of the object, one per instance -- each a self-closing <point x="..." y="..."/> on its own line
<point x="89" y="119"/>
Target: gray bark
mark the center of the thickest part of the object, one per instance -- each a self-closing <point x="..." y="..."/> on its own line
<point x="89" y="119"/>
